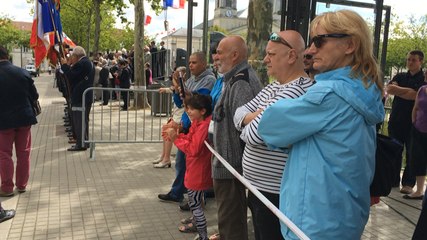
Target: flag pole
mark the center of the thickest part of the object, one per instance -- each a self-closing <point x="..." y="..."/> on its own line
<point x="61" y="49"/>
<point x="167" y="63"/>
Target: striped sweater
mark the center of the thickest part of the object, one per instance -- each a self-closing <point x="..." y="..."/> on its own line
<point x="262" y="167"/>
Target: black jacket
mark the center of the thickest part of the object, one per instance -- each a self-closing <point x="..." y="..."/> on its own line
<point x="124" y="77"/>
<point x="16" y="91"/>
<point x="80" y="76"/>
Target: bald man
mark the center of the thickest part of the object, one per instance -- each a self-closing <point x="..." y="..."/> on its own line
<point x="240" y="85"/>
<point x="262" y="167"/>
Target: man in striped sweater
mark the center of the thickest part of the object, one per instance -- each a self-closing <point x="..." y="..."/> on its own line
<point x="262" y="167"/>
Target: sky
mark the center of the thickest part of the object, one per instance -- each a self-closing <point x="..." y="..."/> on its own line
<point x="19" y="10"/>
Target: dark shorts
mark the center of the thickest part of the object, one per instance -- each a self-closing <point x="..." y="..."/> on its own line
<point x="418" y="152"/>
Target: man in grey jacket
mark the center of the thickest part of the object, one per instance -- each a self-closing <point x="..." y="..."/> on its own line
<point x="241" y="84"/>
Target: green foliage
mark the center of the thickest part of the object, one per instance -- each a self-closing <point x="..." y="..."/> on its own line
<point x="217" y="28"/>
<point x="78" y="21"/>
<point x="157" y="6"/>
<point x="12" y="37"/>
<point x="404" y="37"/>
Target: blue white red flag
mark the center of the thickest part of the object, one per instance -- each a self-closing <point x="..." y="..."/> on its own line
<point x="68" y="40"/>
<point x="174" y="3"/>
<point x="46" y="29"/>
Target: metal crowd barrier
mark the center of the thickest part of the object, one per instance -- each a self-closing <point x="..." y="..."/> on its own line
<point x="110" y="124"/>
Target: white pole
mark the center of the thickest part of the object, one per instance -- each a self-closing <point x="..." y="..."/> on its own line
<point x="167" y="63"/>
<point x="261" y="197"/>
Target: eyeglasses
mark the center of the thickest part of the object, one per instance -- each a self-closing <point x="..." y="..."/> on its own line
<point x="319" y="40"/>
<point x="308" y="56"/>
<point x="274" y="37"/>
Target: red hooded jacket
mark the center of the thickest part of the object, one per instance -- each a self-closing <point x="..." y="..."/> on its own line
<point x="198" y="157"/>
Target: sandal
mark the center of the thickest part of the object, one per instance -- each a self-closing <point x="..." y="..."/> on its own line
<point x="215" y="237"/>
<point x="188" y="228"/>
<point x="187" y="220"/>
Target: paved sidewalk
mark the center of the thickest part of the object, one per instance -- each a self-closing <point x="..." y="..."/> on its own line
<point x="115" y="196"/>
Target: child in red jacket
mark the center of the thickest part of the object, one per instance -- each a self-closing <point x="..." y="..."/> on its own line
<point x="198" y="158"/>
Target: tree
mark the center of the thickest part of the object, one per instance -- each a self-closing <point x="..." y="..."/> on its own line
<point x="10" y="36"/>
<point x="118" y="7"/>
<point x="216" y="28"/>
<point x="76" y="18"/>
<point x="260" y="21"/>
<point x="404" y="37"/>
<point x="139" y="44"/>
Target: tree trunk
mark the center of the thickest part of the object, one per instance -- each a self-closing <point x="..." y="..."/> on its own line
<point x="260" y="21"/>
<point x="88" y="32"/>
<point x="97" y="8"/>
<point x="140" y="101"/>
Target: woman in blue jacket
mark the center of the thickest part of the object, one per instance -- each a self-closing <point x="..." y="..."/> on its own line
<point x="331" y="132"/>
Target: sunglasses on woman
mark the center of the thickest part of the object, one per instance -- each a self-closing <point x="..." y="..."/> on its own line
<point x="274" y="37"/>
<point x="319" y="40"/>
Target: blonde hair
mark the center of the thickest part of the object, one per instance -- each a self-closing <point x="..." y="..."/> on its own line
<point x="364" y="64"/>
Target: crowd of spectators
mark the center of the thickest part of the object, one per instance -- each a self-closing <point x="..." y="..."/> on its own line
<point x="306" y="141"/>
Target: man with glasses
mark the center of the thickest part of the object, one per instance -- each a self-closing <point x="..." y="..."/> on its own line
<point x="240" y="85"/>
<point x="404" y="87"/>
<point x="262" y="167"/>
<point x="308" y="65"/>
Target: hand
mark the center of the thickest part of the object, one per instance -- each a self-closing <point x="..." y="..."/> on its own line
<point x="170" y="124"/>
<point x="251" y="116"/>
<point x="165" y="136"/>
<point x="163" y="90"/>
<point x="171" y="134"/>
<point x="64" y="61"/>
<point x="392" y="88"/>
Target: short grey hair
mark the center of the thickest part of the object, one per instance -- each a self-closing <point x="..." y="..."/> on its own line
<point x="79" y="51"/>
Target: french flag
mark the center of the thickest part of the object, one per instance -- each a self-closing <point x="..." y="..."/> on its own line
<point x="68" y="40"/>
<point x="174" y="4"/>
<point x="46" y="28"/>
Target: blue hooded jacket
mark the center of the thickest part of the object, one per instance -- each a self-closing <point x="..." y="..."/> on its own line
<point x="331" y="131"/>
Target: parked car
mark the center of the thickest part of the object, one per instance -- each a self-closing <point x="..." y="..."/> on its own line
<point x="32" y="70"/>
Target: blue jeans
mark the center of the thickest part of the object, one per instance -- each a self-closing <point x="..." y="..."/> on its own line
<point x="178" y="187"/>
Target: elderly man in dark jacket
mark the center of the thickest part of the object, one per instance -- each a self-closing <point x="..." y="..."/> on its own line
<point x="240" y="85"/>
<point x="17" y="92"/>
<point x="80" y="73"/>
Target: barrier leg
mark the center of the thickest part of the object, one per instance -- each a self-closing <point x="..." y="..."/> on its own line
<point x="92" y="151"/>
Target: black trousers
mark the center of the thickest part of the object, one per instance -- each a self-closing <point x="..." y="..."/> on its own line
<point x="78" y="126"/>
<point x="418" y="152"/>
<point x="403" y="136"/>
<point x="266" y="224"/>
<point x="125" y="97"/>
